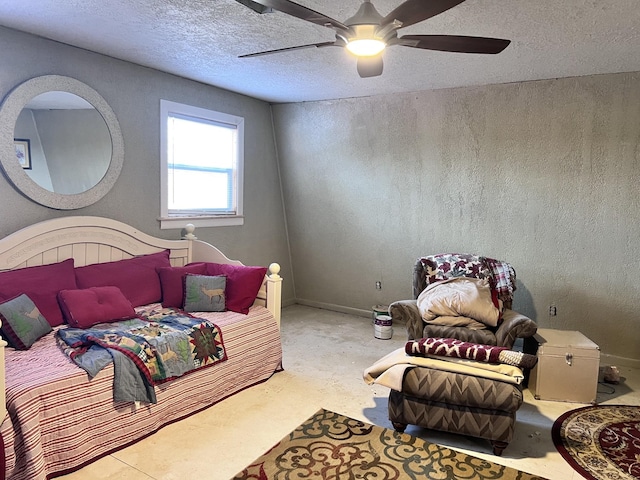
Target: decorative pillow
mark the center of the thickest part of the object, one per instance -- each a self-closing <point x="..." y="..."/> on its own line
<point x="136" y="277"/>
<point x="243" y="284"/>
<point x="204" y="293"/>
<point x="172" y="282"/>
<point x="86" y="307"/>
<point x="450" y="347"/>
<point x="22" y="322"/>
<point x="449" y="265"/>
<point x="41" y="284"/>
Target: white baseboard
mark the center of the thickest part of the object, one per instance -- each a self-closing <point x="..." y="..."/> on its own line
<point x="342" y="309"/>
<point x="335" y="308"/>
<point x="288" y="302"/>
<point x="606" y="359"/>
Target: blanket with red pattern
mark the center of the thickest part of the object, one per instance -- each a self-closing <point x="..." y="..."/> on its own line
<point x="450" y="347"/>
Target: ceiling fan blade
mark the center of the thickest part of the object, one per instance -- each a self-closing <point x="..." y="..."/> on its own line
<point x="303" y="13"/>
<point x="370" y="66"/>
<point x="454" y="43"/>
<point x="414" y="11"/>
<point x="286" y="49"/>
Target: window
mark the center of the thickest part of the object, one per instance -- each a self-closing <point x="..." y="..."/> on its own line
<point x="202" y="155"/>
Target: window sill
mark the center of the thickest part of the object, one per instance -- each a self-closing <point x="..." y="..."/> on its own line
<point x="167" y="223"/>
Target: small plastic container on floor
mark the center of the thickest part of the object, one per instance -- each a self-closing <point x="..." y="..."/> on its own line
<point x="379" y="310"/>
<point x="382" y="327"/>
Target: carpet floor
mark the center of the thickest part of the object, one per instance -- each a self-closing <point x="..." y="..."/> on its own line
<point x="601" y="442"/>
<point x="325" y="354"/>
<point x="330" y="446"/>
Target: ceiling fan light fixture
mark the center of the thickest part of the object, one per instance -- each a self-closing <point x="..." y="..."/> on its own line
<point x="366" y="47"/>
<point x="366" y="15"/>
<point x="367" y="33"/>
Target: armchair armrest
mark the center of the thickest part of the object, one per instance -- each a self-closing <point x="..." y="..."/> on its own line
<point x="514" y="325"/>
<point x="406" y="311"/>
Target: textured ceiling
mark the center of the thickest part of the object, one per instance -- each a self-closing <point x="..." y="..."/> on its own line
<point x="201" y="40"/>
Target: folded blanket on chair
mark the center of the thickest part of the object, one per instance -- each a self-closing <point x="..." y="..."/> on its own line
<point x="450" y="347"/>
<point x="390" y="369"/>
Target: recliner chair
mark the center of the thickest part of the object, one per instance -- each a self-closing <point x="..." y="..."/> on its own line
<point x="458" y="402"/>
<point x="502" y="278"/>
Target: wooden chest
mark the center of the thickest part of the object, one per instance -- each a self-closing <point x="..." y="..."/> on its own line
<point x="567" y="368"/>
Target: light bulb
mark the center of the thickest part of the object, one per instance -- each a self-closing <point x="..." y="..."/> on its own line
<point x="366" y="47"/>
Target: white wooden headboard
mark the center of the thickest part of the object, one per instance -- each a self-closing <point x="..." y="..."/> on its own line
<point x="85" y="239"/>
<point x="91" y="240"/>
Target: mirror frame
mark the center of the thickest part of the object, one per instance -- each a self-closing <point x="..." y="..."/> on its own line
<point x="11" y="107"/>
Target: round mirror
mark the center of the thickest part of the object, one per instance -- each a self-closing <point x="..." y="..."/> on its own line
<point x="60" y="142"/>
<point x="63" y="142"/>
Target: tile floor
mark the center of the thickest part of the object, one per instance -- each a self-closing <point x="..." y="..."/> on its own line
<point x="325" y="354"/>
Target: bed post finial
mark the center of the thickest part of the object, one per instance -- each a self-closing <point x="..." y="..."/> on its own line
<point x="274" y="269"/>
<point x="274" y="291"/>
<point x="189" y="228"/>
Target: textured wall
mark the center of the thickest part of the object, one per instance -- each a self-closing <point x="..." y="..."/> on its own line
<point x="542" y="174"/>
<point x="134" y="94"/>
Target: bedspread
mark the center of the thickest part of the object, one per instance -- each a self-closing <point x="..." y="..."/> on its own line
<point x="58" y="420"/>
<point x="162" y="344"/>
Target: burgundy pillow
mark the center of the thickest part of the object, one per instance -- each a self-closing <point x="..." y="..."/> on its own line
<point x="41" y="284"/>
<point x="87" y="307"/>
<point x="136" y="277"/>
<point x="172" y="282"/>
<point x="243" y="284"/>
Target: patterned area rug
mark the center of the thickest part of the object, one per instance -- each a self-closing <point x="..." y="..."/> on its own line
<point x="600" y="442"/>
<point x="330" y="446"/>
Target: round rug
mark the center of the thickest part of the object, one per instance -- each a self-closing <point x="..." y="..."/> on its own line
<point x="601" y="442"/>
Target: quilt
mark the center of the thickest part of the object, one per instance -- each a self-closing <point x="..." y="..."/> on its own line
<point x="158" y="346"/>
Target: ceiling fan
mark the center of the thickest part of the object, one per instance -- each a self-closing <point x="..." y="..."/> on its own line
<point x="367" y="33"/>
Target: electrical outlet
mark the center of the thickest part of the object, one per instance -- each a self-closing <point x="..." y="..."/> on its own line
<point x="553" y="311"/>
<point x="378" y="285"/>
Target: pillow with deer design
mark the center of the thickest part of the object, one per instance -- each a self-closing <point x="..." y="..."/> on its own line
<point x="204" y="293"/>
<point x="22" y="322"/>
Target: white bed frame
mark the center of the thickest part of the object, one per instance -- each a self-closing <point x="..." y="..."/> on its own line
<point x="90" y="240"/>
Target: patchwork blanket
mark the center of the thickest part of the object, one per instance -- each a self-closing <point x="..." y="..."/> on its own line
<point x="158" y="346"/>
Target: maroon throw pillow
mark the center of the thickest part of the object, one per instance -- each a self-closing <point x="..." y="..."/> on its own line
<point x="243" y="284"/>
<point x="86" y="307"/>
<point x="41" y="284"/>
<point x="172" y="282"/>
<point x="136" y="277"/>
